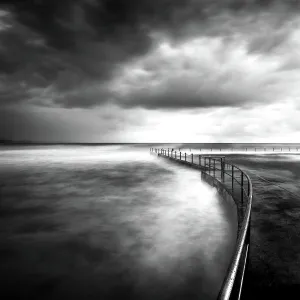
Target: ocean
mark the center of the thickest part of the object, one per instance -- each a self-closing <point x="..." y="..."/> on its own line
<point x="106" y="222"/>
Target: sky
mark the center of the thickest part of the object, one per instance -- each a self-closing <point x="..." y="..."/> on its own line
<point x="150" y="71"/>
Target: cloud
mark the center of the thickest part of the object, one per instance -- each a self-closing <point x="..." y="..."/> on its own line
<point x="36" y="123"/>
<point x="203" y="72"/>
<point x="84" y="96"/>
<point x="70" y="44"/>
<point x="197" y="72"/>
<point x="25" y="62"/>
<point x="269" y="123"/>
<point x="140" y="71"/>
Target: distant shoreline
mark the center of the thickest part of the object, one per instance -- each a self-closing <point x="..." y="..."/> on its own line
<point x="11" y="143"/>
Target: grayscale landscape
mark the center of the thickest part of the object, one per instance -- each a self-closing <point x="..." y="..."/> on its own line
<point x="149" y="149"/>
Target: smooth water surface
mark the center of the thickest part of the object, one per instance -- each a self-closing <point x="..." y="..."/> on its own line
<point x="106" y="222"/>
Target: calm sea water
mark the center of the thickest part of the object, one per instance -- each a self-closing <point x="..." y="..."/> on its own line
<point x="106" y="222"/>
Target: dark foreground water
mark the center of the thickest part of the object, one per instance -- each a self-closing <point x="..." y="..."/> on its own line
<point x="108" y="223"/>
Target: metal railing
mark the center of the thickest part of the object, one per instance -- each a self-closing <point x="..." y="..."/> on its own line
<point x="249" y="149"/>
<point x="238" y="184"/>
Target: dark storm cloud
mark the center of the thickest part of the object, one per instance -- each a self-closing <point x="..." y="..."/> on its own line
<point x="85" y="96"/>
<point x="67" y="43"/>
<point x="13" y="93"/>
<point x="25" y="62"/>
<point x="175" y="100"/>
<point x="181" y="95"/>
<point x="266" y="42"/>
<point x="67" y="23"/>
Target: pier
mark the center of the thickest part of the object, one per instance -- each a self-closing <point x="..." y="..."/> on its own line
<point x="233" y="185"/>
<point x="244" y="150"/>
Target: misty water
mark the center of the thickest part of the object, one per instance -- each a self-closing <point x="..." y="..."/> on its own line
<point x="105" y="222"/>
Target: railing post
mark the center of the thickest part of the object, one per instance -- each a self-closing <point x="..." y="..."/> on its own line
<point x="232" y="172"/>
<point x="214" y="168"/>
<point x="222" y="169"/>
<point x="175" y="154"/>
<point x="184" y="156"/>
<point x="248" y="187"/>
<point x="242" y="185"/>
<point x="180" y="155"/>
<point x="199" y="160"/>
<point x="192" y="158"/>
<point x="209" y="162"/>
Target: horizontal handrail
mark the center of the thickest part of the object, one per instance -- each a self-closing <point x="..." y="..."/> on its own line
<point x="232" y="284"/>
<point x="246" y="149"/>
